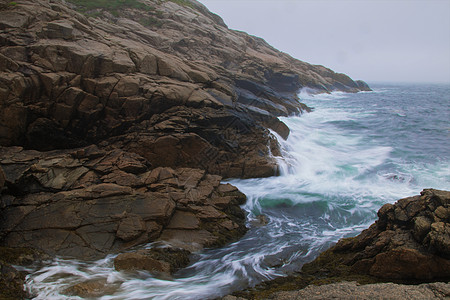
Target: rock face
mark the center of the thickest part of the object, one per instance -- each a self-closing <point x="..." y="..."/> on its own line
<point x="88" y="202"/>
<point x="166" y="80"/>
<point x="410" y="240"/>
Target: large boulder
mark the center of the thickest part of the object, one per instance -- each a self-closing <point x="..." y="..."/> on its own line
<point x="159" y="261"/>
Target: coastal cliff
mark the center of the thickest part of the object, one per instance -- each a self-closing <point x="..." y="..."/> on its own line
<point x="118" y="123"/>
<point x="163" y="79"/>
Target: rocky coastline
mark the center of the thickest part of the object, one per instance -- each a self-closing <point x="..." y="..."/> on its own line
<point x="408" y="244"/>
<point x="118" y="124"/>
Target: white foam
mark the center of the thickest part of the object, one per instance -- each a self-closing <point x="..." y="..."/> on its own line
<point x="310" y="94"/>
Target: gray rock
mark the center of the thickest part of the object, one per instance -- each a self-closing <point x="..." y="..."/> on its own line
<point x="353" y="290"/>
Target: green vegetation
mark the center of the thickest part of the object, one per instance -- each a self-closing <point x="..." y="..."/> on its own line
<point x="12" y="3"/>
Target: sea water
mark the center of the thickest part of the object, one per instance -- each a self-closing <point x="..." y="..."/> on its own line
<point x="340" y="164"/>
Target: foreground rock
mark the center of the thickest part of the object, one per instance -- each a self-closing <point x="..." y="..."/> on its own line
<point x="352" y="290"/>
<point x="409" y="243"/>
<point x="88" y="202"/>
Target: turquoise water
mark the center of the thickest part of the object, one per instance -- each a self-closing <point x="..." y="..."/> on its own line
<point x="340" y="164"/>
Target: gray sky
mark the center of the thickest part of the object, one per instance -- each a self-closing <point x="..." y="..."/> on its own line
<point x="372" y="40"/>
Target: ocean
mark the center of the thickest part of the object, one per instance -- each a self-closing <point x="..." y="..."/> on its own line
<point x="341" y="163"/>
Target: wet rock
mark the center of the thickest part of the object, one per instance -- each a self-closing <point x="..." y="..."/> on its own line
<point x="191" y="240"/>
<point x="130" y="228"/>
<point x="162" y="261"/>
<point x="21" y="256"/>
<point x="406" y="243"/>
<point x="91" y="288"/>
<point x="260" y="220"/>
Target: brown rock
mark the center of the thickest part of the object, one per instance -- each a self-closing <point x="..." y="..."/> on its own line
<point x="11" y="283"/>
<point x="207" y="212"/>
<point x="122" y="178"/>
<point x="439" y="238"/>
<point x="2" y="178"/>
<point x="130" y="228"/>
<point x="88" y="202"/>
<point x="422" y="226"/>
<point x="352" y="290"/>
<point x="163" y="261"/>
<point x="147" y="99"/>
<point x="140" y="261"/>
<point x="127" y="86"/>
<point x="91" y="289"/>
<point x="404" y="243"/>
<point x="183" y="220"/>
<point x="60" y="29"/>
<point x="153" y="206"/>
<point x="191" y="240"/>
<point x="409" y="264"/>
<point x="170" y="68"/>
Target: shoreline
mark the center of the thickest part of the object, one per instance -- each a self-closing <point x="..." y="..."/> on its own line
<point x="408" y="244"/>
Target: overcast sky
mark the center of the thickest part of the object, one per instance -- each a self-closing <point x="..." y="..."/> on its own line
<point x="373" y="40"/>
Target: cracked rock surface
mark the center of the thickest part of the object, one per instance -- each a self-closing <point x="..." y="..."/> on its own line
<point x="88" y="202"/>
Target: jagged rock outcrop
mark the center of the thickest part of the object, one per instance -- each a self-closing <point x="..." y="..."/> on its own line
<point x="410" y="240"/>
<point x="409" y="243"/>
<point x="88" y="202"/>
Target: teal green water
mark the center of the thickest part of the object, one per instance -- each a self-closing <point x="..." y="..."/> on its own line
<point x="341" y="163"/>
